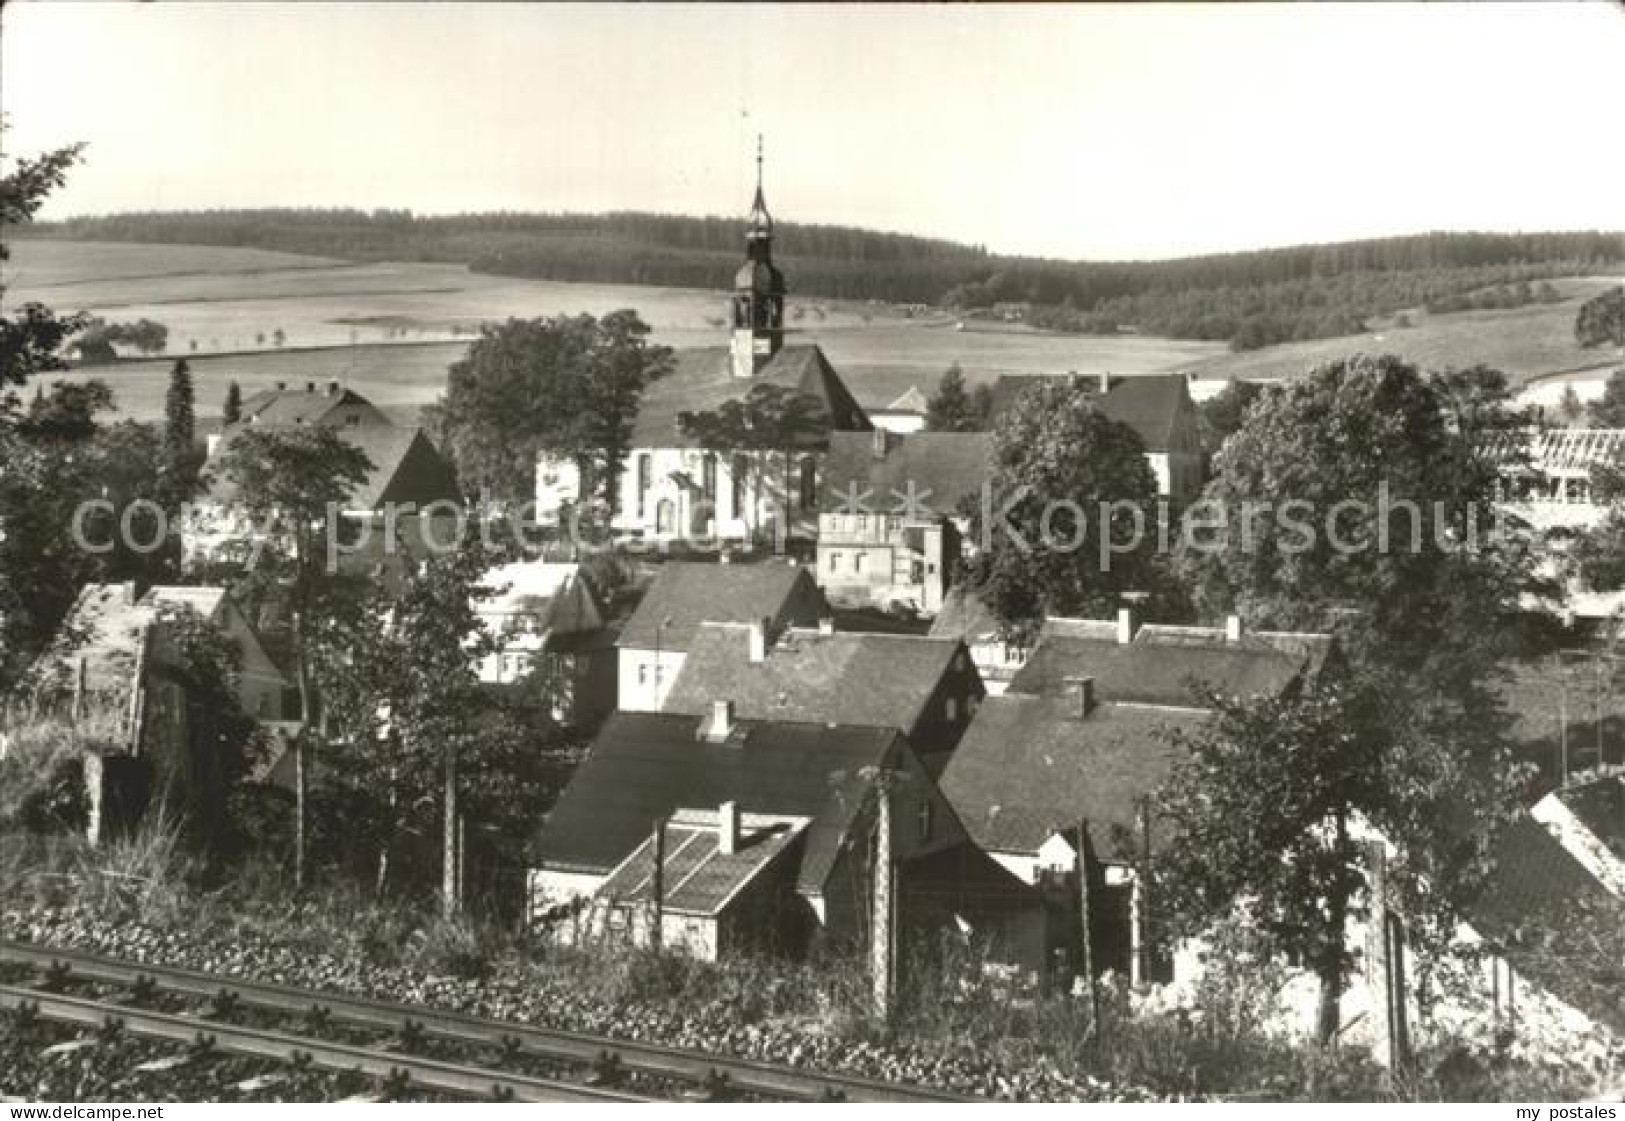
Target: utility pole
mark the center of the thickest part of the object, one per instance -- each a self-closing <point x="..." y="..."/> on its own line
<point x="1086" y="924"/>
<point x="448" y="886"/>
<point x="657" y="887"/>
<point x="881" y="930"/>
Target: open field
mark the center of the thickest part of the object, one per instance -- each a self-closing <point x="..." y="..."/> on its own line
<point x="390" y="330"/>
<point x="1526" y="343"/>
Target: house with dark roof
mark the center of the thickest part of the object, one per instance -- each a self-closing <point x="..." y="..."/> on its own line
<point x="927" y="688"/>
<point x="407" y="475"/>
<point x="330" y="406"/>
<point x="888" y="528"/>
<point x="964" y="616"/>
<point x="550" y="630"/>
<point x="673" y="488"/>
<point x="794" y="807"/>
<point x="1157" y="406"/>
<point x="653" y="645"/>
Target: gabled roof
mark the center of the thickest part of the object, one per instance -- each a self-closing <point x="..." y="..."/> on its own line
<point x="309" y="404"/>
<point x="883" y="679"/>
<point x="965" y="616"/>
<point x="551" y="594"/>
<point x="698" y="877"/>
<point x="949" y="465"/>
<point x="1166" y="665"/>
<point x="1598" y="802"/>
<point x="687" y="593"/>
<point x="702" y="379"/>
<point x="1148" y="403"/>
<point x="405" y="467"/>
<point x="647" y="765"/>
<point x="911" y="400"/>
<point x="206" y="601"/>
<point x="1029" y="767"/>
<point x="103" y="630"/>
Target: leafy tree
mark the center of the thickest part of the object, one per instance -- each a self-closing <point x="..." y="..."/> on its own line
<point x="567" y="385"/>
<point x="94" y="343"/>
<point x="1601" y="319"/>
<point x="1058" y="465"/>
<point x="294" y="481"/>
<point x="1222" y="414"/>
<point x="776" y="423"/>
<point x="952" y="409"/>
<point x="31" y="335"/>
<point x="1608" y="411"/>
<point x="1408" y="734"/>
<point x="232" y="411"/>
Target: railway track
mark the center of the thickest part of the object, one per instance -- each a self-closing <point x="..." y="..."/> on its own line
<point x="602" y="1064"/>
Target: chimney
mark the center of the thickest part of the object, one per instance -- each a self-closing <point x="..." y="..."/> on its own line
<point x="758" y="642"/>
<point x="333" y="388"/>
<point x="1105" y="381"/>
<point x="1082" y="692"/>
<point x="1232" y="628"/>
<point x="1125" y="625"/>
<point x="879" y="437"/>
<point x="721" y="723"/>
<point x="826" y="625"/>
<point x="728" y="828"/>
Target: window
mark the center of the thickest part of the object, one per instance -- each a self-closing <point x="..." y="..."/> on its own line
<point x="643" y="675"/>
<point x="834" y="562"/>
<point x="353" y="420"/>
<point x="952" y="708"/>
<point x="645" y="468"/>
<point x="923" y="820"/>
<point x="809" y="483"/>
<point x="708" y="478"/>
<point x="863" y="523"/>
<point x="857" y="562"/>
<point x="736" y="489"/>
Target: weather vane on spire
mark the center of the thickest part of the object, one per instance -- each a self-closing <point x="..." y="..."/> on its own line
<point x="758" y="161"/>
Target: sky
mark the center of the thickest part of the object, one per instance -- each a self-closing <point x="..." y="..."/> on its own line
<point x="1080" y="131"/>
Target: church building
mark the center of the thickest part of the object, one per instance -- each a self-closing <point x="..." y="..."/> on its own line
<point x="757" y="482"/>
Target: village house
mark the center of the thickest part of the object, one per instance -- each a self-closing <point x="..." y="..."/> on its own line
<point x="764" y="832"/>
<point x="904" y="414"/>
<point x="547" y="620"/>
<point x="927" y="688"/>
<point x="889" y="531"/>
<point x="407" y="473"/>
<point x="330" y="406"/>
<point x="1547" y="484"/>
<point x="965" y="617"/>
<point x="673" y="488"/>
<point x="653" y="644"/>
<point x="1053" y="775"/>
<point x="1159" y="409"/>
<point x="115" y="659"/>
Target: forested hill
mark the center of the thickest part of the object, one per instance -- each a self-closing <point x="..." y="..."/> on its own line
<point x="1251" y="298"/>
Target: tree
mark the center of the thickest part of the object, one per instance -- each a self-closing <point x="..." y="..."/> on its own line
<point x="181" y="456"/>
<point x="31" y="335"/>
<point x="1608" y="411"/>
<point x="1075" y="508"/>
<point x="776" y="424"/>
<point x="1408" y="734"/>
<point x="95" y="340"/>
<point x="1601" y="319"/>
<point x="295" y="480"/>
<point x="952" y="409"/>
<point x="569" y="386"/>
<point x="1222" y="414"/>
<point x="232" y="411"/>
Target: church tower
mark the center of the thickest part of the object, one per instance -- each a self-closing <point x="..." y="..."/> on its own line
<point x="757" y="308"/>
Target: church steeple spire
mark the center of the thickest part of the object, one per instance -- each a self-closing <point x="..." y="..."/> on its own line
<point x="757" y="308"/>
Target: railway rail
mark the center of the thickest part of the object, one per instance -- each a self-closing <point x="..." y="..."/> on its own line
<point x="600" y="1059"/>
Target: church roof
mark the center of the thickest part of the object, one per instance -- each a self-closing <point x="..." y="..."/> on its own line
<point x="1149" y="403"/>
<point x="702" y="379"/>
<point x="941" y="467"/>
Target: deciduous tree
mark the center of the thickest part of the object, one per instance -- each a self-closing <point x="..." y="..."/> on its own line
<point x="1601" y="319"/>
